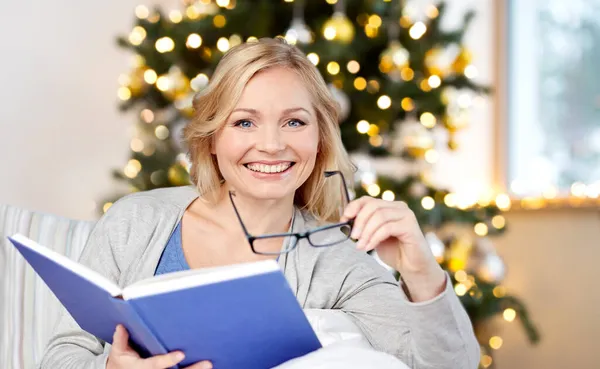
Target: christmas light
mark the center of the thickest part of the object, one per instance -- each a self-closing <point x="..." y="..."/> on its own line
<point x="432" y="156"/>
<point x="353" y="66"/>
<point x="407" y="74"/>
<point x="428" y="120"/>
<point x="427" y="203"/>
<point x="136" y="145"/>
<point x="432" y="11"/>
<point x="486" y="361"/>
<point x="384" y="102"/>
<point x="375" y="21"/>
<point x="373" y="130"/>
<point x="333" y="68"/>
<point x="223" y="44"/>
<point x="124" y="93"/>
<point x="363" y="126"/>
<point x="175" y="16"/>
<point x="373" y="189"/>
<point x="192" y="12"/>
<point x="193" y="41"/>
<point x="460" y="289"/>
<point x="376" y="141"/>
<point x="499" y="291"/>
<point x="509" y="314"/>
<point x="471" y="71"/>
<point x="150" y="76"/>
<point x="331" y="2"/>
<point x="481" y="229"/>
<point x="417" y="30"/>
<point x="222" y="3"/>
<point x="373" y="86"/>
<point x="147" y="115"/>
<point x="219" y="21"/>
<point x="313" y="57"/>
<point x="142" y="12"/>
<point x="496" y="342"/>
<point x="460" y="276"/>
<point x="164" y="44"/>
<point x="163" y="83"/>
<point x="434" y="81"/>
<point x="199" y="82"/>
<point x="161" y="132"/>
<point x="252" y="39"/>
<point x="407" y="104"/>
<point x="450" y="200"/>
<point x="360" y="83"/>
<point x="503" y="202"/>
<point x="388" y="195"/>
<point x="137" y="35"/>
<point x="498" y="221"/>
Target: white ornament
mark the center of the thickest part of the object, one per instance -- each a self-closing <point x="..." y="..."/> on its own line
<point x="298" y="32"/>
<point x="342" y="99"/>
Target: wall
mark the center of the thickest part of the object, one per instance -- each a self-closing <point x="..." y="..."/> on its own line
<point x="60" y="131"/>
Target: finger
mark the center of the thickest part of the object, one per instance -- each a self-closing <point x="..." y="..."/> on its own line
<point x="354" y="207"/>
<point x="380" y="217"/>
<point x="120" y="339"/>
<point x="164" y="361"/>
<point x="384" y="232"/>
<point x="365" y="213"/>
<point x="201" y="365"/>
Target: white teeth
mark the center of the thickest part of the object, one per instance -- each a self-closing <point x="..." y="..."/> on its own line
<point x="263" y="168"/>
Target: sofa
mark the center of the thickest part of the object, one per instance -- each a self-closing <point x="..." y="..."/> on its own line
<point x="28" y="309"/>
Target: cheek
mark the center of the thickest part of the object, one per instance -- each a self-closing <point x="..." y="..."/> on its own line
<point x="229" y="146"/>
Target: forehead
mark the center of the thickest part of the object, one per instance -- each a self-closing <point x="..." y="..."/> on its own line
<point x="277" y="88"/>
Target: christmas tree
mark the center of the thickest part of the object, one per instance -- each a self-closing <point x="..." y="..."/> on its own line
<point x="400" y="79"/>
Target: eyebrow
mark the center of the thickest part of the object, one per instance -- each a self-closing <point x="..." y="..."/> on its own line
<point x="286" y="111"/>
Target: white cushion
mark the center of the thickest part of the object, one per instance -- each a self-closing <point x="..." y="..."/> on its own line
<point x="28" y="309"/>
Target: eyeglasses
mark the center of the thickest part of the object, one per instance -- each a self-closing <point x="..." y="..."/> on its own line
<point x="324" y="236"/>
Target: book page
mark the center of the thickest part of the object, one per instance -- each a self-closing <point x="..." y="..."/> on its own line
<point x="90" y="275"/>
<point x="197" y="277"/>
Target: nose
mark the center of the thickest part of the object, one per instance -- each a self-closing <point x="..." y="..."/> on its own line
<point x="270" y="139"/>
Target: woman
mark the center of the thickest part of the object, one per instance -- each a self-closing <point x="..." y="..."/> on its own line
<point x="264" y="133"/>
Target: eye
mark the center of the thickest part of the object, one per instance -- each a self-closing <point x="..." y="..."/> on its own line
<point x="243" y="123"/>
<point x="295" y="123"/>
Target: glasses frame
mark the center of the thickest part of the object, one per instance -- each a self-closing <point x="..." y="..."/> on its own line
<point x="297" y="235"/>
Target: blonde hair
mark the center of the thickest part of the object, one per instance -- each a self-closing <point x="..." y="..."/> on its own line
<point x="319" y="196"/>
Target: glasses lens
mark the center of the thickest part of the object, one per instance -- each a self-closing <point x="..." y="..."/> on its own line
<point x="329" y="236"/>
<point x="274" y="245"/>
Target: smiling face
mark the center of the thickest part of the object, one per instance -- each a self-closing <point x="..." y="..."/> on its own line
<point x="268" y="146"/>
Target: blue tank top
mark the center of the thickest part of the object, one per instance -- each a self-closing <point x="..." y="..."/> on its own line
<point x="172" y="258"/>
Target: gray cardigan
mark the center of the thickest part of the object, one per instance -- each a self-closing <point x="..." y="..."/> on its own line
<point x="126" y="244"/>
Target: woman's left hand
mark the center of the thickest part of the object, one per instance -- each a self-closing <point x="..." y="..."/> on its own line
<point x="391" y="228"/>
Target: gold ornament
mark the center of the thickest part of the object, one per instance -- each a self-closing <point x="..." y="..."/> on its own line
<point x="178" y="175"/>
<point x="178" y="85"/>
<point x="413" y="138"/>
<point x="393" y="60"/>
<point x="136" y="81"/>
<point x="339" y="28"/>
<point x="461" y="62"/>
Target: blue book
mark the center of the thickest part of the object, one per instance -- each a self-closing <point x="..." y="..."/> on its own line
<point x="236" y="316"/>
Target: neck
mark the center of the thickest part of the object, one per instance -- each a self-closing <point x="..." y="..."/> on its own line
<point x="259" y="216"/>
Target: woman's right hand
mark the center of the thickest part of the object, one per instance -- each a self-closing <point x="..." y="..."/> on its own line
<point x="124" y="357"/>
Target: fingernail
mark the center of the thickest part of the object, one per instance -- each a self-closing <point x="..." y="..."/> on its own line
<point x="179" y="356"/>
<point x="207" y="365"/>
<point x="355" y="233"/>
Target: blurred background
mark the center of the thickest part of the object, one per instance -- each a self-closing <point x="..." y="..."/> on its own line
<point x="483" y="115"/>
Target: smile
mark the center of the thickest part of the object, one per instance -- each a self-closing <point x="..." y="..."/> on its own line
<point x="269" y="168"/>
